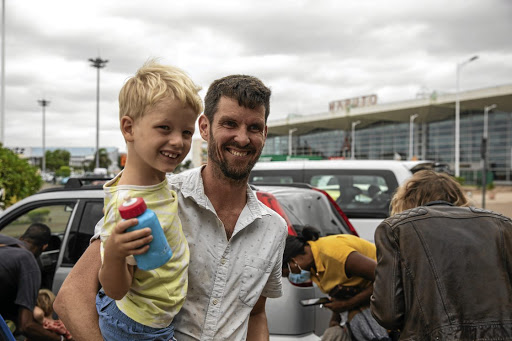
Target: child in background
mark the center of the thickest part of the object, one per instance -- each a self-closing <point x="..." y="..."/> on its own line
<point x="158" y="108"/>
<point x="43" y="312"/>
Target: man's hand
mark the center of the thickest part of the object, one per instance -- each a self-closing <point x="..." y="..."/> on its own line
<point x="338" y="306"/>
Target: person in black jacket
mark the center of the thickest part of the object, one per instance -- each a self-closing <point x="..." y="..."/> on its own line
<point x="444" y="270"/>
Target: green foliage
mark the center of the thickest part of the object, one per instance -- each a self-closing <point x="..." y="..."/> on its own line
<point x="18" y="179"/>
<point x="56" y="159"/>
<point x="183" y="166"/>
<point x="490" y="186"/>
<point x="105" y="162"/>
<point x="461" y="180"/>
<point x="39" y="215"/>
<point x="63" y="171"/>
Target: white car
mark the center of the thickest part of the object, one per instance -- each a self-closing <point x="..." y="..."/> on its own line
<point x="362" y="188"/>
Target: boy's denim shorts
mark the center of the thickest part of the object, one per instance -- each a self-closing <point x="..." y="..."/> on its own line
<point x="116" y="326"/>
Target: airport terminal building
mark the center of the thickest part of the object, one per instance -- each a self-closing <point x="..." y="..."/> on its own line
<point x="384" y="131"/>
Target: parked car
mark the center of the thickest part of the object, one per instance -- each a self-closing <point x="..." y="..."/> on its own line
<point x="73" y="211"/>
<point x="362" y="188"/>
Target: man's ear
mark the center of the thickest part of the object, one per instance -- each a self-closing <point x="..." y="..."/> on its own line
<point x="204" y="127"/>
<point x="127" y="125"/>
<point x="45" y="246"/>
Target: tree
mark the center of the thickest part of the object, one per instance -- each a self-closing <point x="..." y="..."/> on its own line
<point x="105" y="162"/>
<point x="63" y="171"/>
<point x="183" y="166"/>
<point x="57" y="159"/>
<point x="18" y="179"/>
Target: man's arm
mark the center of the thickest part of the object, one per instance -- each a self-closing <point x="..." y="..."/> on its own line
<point x="388" y="300"/>
<point x="258" y="328"/>
<point x="76" y="301"/>
<point x="30" y="328"/>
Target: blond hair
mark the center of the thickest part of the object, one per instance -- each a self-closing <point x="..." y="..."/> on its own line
<point x="154" y="82"/>
<point x="45" y="300"/>
<point x="426" y="186"/>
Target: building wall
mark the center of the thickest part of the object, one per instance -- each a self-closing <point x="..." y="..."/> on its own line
<point x="432" y="141"/>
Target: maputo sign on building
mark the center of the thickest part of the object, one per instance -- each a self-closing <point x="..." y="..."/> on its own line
<point x="349" y="103"/>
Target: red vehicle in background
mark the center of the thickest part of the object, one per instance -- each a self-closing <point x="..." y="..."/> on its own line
<point x="301" y="205"/>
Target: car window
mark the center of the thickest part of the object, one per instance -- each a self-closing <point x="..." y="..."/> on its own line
<point x="359" y="193"/>
<point x="272" y="179"/>
<point x="56" y="216"/>
<point x="311" y="209"/>
<point x="82" y="231"/>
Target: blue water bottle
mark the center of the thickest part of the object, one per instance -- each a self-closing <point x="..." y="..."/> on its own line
<point x="159" y="251"/>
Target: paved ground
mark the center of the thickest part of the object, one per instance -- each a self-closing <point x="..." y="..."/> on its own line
<point x="501" y="202"/>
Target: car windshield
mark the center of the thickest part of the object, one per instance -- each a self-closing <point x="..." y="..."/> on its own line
<point x="311" y="208"/>
<point x="360" y="193"/>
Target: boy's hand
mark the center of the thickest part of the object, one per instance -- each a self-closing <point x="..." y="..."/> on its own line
<point x="121" y="244"/>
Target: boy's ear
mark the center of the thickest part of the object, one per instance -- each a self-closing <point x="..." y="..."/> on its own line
<point x="204" y="127"/>
<point x="127" y="125"/>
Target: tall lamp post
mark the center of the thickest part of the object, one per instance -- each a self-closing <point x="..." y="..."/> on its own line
<point x="44" y="103"/>
<point x="483" y="151"/>
<point x="457" y="115"/>
<point x="411" y="134"/>
<point x="2" y="80"/>
<point x="290" y="132"/>
<point x="98" y="63"/>
<point x="353" y="144"/>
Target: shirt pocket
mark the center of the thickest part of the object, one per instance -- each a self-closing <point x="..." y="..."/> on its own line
<point x="254" y="278"/>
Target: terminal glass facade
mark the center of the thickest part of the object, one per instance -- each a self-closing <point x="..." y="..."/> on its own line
<point x="432" y="141"/>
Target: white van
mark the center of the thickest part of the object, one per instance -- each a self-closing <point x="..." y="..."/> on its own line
<point x="362" y="188"/>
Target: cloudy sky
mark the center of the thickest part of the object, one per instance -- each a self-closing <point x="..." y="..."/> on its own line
<point x="308" y="52"/>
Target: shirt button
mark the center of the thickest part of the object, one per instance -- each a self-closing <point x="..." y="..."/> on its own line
<point x="215" y="302"/>
<point x="223" y="261"/>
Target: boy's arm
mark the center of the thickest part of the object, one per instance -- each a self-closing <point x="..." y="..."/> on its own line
<point x="115" y="274"/>
<point x="76" y="301"/>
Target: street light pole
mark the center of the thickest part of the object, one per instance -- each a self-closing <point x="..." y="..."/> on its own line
<point x="483" y="151"/>
<point x="44" y="103"/>
<point x="411" y="134"/>
<point x="352" y="145"/>
<point x="98" y="63"/>
<point x="290" y="132"/>
<point x="457" y="115"/>
<point x="2" y="80"/>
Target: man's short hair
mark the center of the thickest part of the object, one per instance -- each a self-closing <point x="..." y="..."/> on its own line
<point x="37" y="234"/>
<point x="154" y="82"/>
<point x="248" y="91"/>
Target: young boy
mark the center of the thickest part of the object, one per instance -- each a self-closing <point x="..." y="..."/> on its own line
<point x="158" y="108"/>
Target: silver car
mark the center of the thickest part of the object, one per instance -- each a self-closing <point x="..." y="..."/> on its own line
<point x="73" y="211"/>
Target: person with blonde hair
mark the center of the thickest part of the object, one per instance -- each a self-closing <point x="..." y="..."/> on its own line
<point x="43" y="313"/>
<point x="427" y="186"/>
<point x="443" y="267"/>
<point x="158" y="108"/>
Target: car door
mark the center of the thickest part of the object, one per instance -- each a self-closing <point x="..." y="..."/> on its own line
<point x="76" y="241"/>
<point x="56" y="214"/>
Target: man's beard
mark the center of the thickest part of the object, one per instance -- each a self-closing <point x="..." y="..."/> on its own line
<point x="234" y="173"/>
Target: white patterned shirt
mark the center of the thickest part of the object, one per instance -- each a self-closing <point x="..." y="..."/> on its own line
<point x="226" y="278"/>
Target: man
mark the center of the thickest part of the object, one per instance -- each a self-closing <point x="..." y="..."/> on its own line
<point x="443" y="269"/>
<point x="20" y="280"/>
<point x="236" y="243"/>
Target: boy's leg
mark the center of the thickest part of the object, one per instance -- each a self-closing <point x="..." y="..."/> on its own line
<point x="116" y="326"/>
